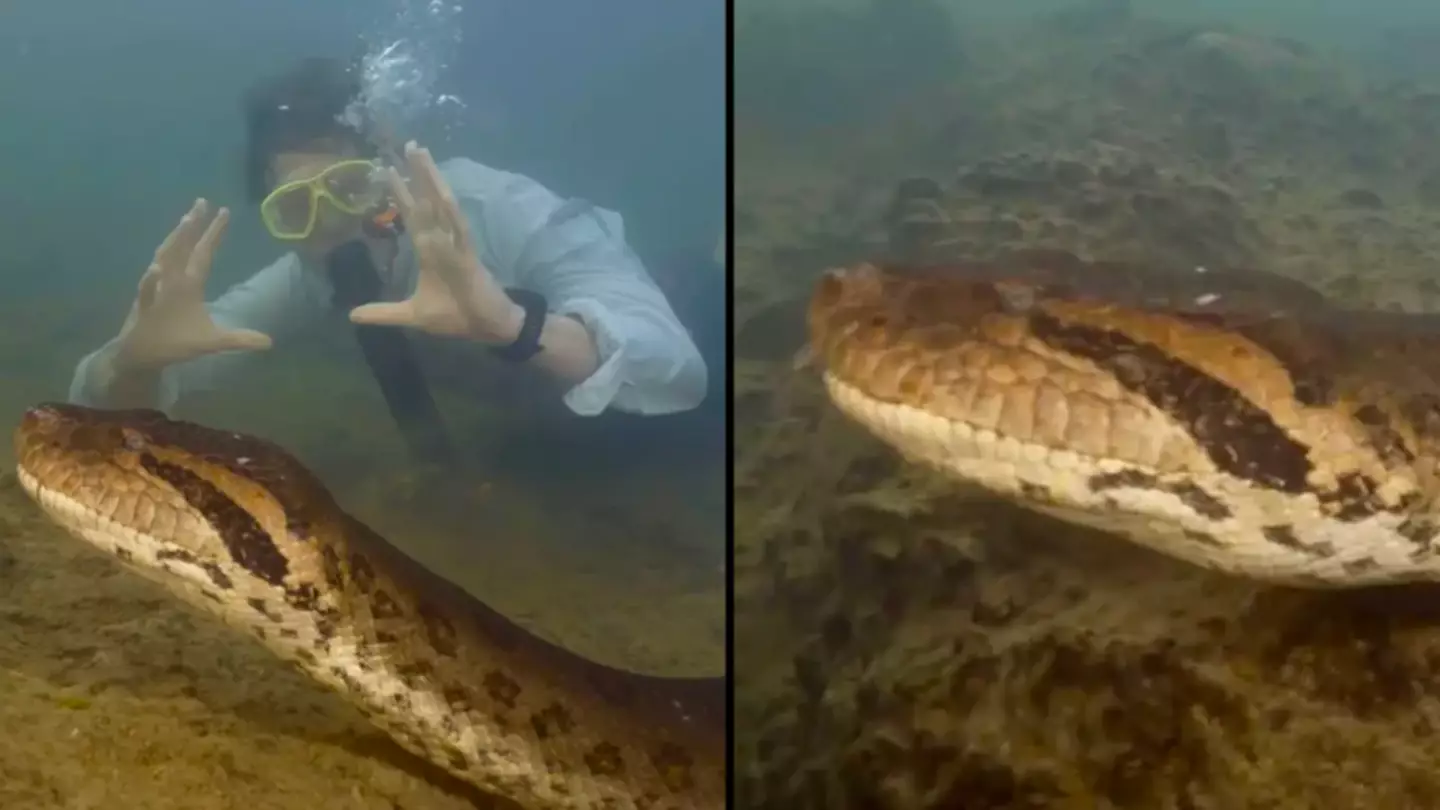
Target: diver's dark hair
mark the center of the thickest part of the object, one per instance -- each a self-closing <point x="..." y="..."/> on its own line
<point x="296" y="110"/>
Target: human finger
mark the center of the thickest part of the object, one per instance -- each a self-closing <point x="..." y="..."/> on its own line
<point x="428" y="181"/>
<point x="242" y="340"/>
<point x="400" y="193"/>
<point x="448" y="207"/>
<point x="426" y="204"/>
<point x="416" y="159"/>
<point x="149" y="286"/>
<point x="426" y="191"/>
<point x="175" y="250"/>
<point x="399" y="313"/>
<point x="198" y="267"/>
<point x="444" y="209"/>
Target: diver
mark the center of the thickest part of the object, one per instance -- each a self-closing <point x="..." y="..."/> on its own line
<point x="461" y="251"/>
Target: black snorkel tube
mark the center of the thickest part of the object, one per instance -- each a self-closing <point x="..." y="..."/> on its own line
<point x="387" y="351"/>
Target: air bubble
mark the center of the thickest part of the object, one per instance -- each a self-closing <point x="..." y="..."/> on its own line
<point x="401" y="70"/>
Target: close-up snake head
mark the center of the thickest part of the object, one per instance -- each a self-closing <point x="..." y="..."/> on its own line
<point x="168" y="497"/>
<point x="1218" y="427"/>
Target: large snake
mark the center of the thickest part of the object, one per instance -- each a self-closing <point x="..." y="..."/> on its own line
<point x="1234" y="419"/>
<point x="239" y="528"/>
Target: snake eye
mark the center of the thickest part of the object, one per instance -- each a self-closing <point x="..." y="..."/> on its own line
<point x="133" y="441"/>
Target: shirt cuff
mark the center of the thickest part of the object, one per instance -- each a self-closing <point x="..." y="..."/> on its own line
<point x="594" y="394"/>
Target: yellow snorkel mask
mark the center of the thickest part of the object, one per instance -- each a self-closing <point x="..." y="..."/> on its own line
<point x="353" y="187"/>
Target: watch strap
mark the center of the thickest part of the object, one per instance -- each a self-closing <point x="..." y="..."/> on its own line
<point x="526" y="344"/>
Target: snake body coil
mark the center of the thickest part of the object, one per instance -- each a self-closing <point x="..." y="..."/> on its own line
<point x="241" y="529"/>
<point x="1235" y="420"/>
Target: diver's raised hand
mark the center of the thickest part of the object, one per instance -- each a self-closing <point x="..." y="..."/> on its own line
<point x="169" y="322"/>
<point x="455" y="294"/>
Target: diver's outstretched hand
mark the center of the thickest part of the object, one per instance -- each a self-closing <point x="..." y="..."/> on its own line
<point x="169" y="322"/>
<point x="455" y="295"/>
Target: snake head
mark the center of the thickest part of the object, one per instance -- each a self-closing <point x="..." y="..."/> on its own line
<point x="57" y="441"/>
<point x="169" y="493"/>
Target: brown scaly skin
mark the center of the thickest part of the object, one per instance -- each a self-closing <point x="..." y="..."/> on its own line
<point x="1239" y="381"/>
<point x="238" y="527"/>
<point x="961" y="654"/>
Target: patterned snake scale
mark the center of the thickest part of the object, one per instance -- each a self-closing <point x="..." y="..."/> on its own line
<point x="242" y="530"/>
<point x="1237" y="420"/>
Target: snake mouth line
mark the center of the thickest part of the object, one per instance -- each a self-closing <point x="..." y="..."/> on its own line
<point x="152" y="558"/>
<point x="1217" y="523"/>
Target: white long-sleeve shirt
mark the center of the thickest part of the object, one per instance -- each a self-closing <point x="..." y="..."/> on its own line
<point x="569" y="251"/>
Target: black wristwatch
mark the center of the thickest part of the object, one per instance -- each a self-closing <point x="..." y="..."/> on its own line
<point x="527" y="343"/>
